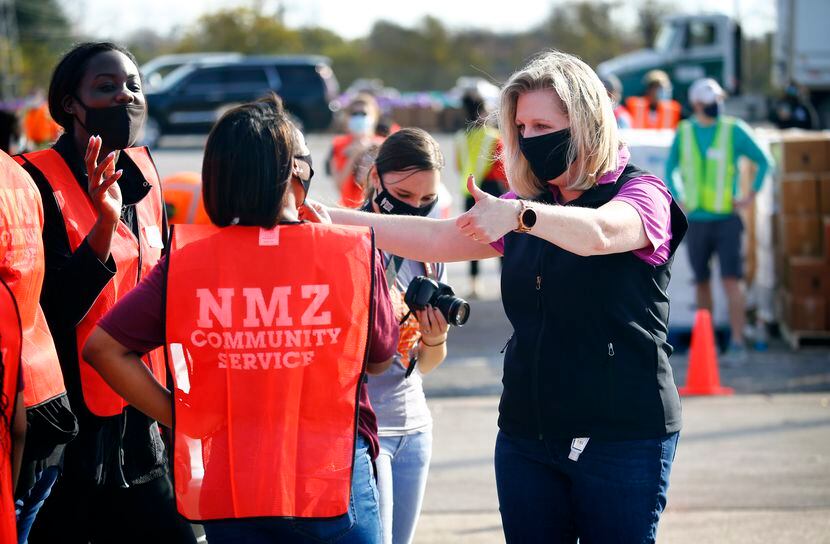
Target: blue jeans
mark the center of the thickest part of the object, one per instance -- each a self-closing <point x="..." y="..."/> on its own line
<point x="361" y="525"/>
<point x="403" y="465"/>
<point x="27" y="507"/>
<point x="614" y="492"/>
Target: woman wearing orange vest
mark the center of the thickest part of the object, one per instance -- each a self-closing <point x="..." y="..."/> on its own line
<point x="273" y="430"/>
<point x="12" y="412"/>
<point x="50" y="420"/>
<point x="104" y="228"/>
<point x="346" y="149"/>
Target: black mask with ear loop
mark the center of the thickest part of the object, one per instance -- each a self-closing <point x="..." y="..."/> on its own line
<point x="390" y="205"/>
<point x="118" y="126"/>
<point x="306" y="183"/>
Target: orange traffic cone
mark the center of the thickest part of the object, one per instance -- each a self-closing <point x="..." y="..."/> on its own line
<point x="702" y="378"/>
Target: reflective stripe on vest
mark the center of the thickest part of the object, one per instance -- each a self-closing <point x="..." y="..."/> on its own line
<point x="133" y="259"/>
<point x="708" y="184"/>
<point x="22" y="268"/>
<point x="666" y="116"/>
<point x="266" y="363"/>
<point x="475" y="149"/>
<point x="10" y="348"/>
<point x="183" y="198"/>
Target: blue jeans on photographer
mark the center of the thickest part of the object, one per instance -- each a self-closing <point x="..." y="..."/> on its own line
<point x="614" y="492"/>
<point x="360" y="525"/>
<point x="27" y="506"/>
<point x="403" y="467"/>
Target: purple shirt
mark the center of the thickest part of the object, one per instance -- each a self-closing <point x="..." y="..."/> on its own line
<point x="649" y="196"/>
<point x="137" y="322"/>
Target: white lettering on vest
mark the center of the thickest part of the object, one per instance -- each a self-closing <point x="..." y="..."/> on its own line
<point x="310" y="316"/>
<point x="255" y="302"/>
<point x="208" y="304"/>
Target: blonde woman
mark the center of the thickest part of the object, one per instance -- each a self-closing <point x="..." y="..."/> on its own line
<point x="589" y="416"/>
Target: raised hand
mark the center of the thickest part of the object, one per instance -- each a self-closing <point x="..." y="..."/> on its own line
<point x="101" y="182"/>
<point x="490" y="219"/>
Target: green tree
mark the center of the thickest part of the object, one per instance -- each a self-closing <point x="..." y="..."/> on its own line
<point x="44" y="34"/>
<point x="243" y="30"/>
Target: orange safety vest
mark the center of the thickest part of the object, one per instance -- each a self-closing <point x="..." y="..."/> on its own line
<point x="266" y="361"/>
<point x="351" y="193"/>
<point x="183" y="198"/>
<point x="133" y="258"/>
<point x="666" y="116"/>
<point x="38" y="125"/>
<point x="11" y="340"/>
<point x="22" y="268"/>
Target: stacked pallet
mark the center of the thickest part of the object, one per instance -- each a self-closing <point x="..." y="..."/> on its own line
<point x="803" y="235"/>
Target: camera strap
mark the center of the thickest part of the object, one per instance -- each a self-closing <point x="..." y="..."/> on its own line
<point x="393" y="266"/>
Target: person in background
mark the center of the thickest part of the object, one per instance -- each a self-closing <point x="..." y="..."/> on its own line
<point x="104" y="228"/>
<point x="794" y="110"/>
<point x="405" y="179"/>
<point x="49" y="418"/>
<point x="363" y="116"/>
<point x="702" y="174"/>
<point x="656" y="109"/>
<point x="269" y="450"/>
<point x="39" y="128"/>
<point x="478" y="152"/>
<point x="615" y="90"/>
<point x="9" y="132"/>
<point x="12" y="406"/>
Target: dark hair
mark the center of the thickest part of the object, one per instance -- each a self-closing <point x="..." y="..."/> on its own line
<point x="409" y="149"/>
<point x="473" y="105"/>
<point x="68" y="74"/>
<point x="247" y="165"/>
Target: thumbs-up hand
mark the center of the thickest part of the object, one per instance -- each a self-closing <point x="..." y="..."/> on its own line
<point x="490" y="218"/>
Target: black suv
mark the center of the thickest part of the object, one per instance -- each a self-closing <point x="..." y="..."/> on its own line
<point x="192" y="97"/>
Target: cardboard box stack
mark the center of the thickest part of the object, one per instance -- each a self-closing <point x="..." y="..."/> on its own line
<point x="803" y="231"/>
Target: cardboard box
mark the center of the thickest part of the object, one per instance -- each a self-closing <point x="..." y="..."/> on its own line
<point x="804" y="313"/>
<point x="799" y="194"/>
<point x="809" y="277"/>
<point x="801" y="235"/>
<point x="801" y="152"/>
<point x="824" y="193"/>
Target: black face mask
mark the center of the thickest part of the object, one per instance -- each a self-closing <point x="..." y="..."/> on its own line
<point x="118" y="126"/>
<point x="547" y="154"/>
<point x="306" y="183"/>
<point x="390" y="205"/>
<point x="712" y="110"/>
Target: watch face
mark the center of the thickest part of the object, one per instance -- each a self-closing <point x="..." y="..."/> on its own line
<point x="529" y="218"/>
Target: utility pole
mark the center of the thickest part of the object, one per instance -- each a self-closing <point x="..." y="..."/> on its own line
<point x="9" y="52"/>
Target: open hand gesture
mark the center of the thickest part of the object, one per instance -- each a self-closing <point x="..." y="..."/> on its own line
<point x="101" y="178"/>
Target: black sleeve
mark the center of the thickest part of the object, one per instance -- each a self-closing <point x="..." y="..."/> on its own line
<point x="73" y="280"/>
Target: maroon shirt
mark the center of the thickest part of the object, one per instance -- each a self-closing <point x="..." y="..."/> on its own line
<point x="137" y="322"/>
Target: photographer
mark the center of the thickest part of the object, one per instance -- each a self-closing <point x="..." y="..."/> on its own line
<point x="404" y="180"/>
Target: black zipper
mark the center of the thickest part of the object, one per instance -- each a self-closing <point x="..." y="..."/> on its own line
<point x="504" y="348"/>
<point x="538" y="358"/>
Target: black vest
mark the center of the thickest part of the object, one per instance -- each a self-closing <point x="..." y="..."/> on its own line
<point x="588" y="356"/>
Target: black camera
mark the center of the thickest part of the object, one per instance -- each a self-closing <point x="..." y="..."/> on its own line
<point x="423" y="292"/>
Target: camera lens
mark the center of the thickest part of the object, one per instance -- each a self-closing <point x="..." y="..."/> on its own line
<point x="459" y="312"/>
<point x="455" y="310"/>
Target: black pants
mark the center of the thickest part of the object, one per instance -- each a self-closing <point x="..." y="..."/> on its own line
<point x="80" y="512"/>
<point x="495" y="188"/>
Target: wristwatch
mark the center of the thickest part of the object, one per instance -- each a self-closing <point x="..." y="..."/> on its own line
<point x="527" y="217"/>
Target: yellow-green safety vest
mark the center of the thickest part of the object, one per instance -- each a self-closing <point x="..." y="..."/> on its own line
<point x="475" y="148"/>
<point x="708" y="184"/>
